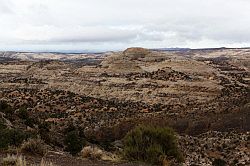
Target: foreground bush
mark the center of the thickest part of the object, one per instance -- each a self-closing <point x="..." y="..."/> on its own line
<point x="34" y="147"/>
<point x="151" y="144"/>
<point x="73" y="142"/>
<point x="12" y="137"/>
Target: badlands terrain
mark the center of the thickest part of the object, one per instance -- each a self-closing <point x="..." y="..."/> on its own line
<point x="203" y="94"/>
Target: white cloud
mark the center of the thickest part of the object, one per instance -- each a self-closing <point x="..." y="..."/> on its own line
<point x="115" y="24"/>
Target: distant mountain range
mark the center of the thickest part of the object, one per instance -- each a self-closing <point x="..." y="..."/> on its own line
<point x="78" y="55"/>
<point x="38" y="56"/>
<point x="171" y="49"/>
<point x="187" y="49"/>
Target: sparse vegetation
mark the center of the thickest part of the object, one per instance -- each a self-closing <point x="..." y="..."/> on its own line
<point x="13" y="160"/>
<point x="219" y="162"/>
<point x="138" y="86"/>
<point x="46" y="163"/>
<point x="12" y="137"/>
<point x="96" y="153"/>
<point x="34" y="147"/>
<point x="91" y="153"/>
<point x="16" y="160"/>
<point x="149" y="144"/>
<point x="6" y="109"/>
<point x="43" y="131"/>
<point x="24" y="115"/>
<point x="3" y="106"/>
<point x="74" y="141"/>
<point x="2" y="125"/>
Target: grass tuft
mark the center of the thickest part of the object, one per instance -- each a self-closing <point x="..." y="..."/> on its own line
<point x="34" y="147"/>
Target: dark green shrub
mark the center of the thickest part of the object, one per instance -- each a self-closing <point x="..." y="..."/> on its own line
<point x="24" y="115"/>
<point x="11" y="137"/>
<point x="6" y="109"/>
<point x="43" y="130"/>
<point x="73" y="142"/>
<point x="2" y="125"/>
<point x="3" y="105"/>
<point x="74" y="139"/>
<point x="149" y="144"/>
<point x="219" y="162"/>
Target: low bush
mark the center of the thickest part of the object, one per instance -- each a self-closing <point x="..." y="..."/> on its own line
<point x="151" y="144"/>
<point x="3" y="105"/>
<point x="24" y="115"/>
<point x="2" y="125"/>
<point x="44" y="132"/>
<point x="12" y="137"/>
<point x="6" y="109"/>
<point x="74" y="139"/>
<point x="219" y="162"/>
<point x="34" y="147"/>
<point x="73" y="142"/>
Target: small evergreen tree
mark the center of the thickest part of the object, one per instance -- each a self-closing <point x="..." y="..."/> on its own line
<point x="74" y="140"/>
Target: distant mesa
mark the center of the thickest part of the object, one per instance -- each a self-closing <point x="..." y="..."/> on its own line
<point x="136" y="52"/>
<point x="126" y="61"/>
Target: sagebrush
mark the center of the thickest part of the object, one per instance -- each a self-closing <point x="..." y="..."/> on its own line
<point x="34" y="147"/>
<point x="150" y="144"/>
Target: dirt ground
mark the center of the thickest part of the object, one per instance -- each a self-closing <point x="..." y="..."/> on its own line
<point x="61" y="159"/>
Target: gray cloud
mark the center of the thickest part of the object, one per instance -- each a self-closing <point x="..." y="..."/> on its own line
<point x="5" y="7"/>
<point x="117" y="24"/>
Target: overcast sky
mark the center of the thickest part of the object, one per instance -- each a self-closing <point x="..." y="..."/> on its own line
<point x="117" y="24"/>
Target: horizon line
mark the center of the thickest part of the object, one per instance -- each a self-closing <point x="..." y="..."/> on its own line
<point x="117" y="50"/>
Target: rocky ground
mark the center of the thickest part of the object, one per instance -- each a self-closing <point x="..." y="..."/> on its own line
<point x="233" y="148"/>
<point x="193" y="91"/>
